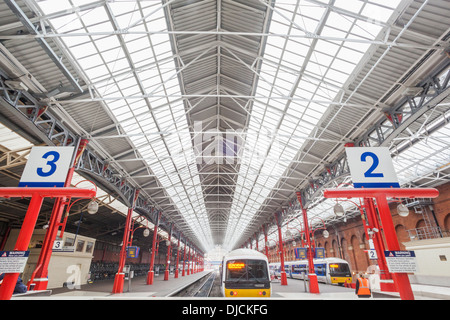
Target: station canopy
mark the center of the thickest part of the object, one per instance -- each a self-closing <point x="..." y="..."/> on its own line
<point x="223" y="109"/>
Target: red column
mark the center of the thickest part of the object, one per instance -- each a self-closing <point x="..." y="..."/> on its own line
<point x="386" y="281"/>
<point x="120" y="276"/>
<point x="400" y="279"/>
<point x="178" y="255"/>
<point x="313" y="283"/>
<point x="188" y="261"/>
<point x="150" y="274"/>
<point x="183" y="273"/>
<point x="169" y="247"/>
<point x="39" y="277"/>
<point x="265" y="241"/>
<point x="280" y="241"/>
<point x="10" y="279"/>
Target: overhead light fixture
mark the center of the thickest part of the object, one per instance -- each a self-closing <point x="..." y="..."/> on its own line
<point x="402" y="210"/>
<point x="338" y="210"/>
<point x="92" y="207"/>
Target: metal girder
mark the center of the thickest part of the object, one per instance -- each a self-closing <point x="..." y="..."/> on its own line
<point x="43" y="43"/>
<point x="387" y="129"/>
<point x="23" y="105"/>
<point x="52" y="132"/>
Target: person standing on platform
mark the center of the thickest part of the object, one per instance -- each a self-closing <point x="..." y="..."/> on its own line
<point x="362" y="289"/>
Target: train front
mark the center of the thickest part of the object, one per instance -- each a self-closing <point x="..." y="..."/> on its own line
<point x="247" y="278"/>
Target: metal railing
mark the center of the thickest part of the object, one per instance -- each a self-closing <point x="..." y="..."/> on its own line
<point x="427" y="233"/>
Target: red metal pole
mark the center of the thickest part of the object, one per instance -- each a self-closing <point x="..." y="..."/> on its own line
<point x="280" y="237"/>
<point x="37" y="195"/>
<point x="313" y="283"/>
<point x="400" y="279"/>
<point x="178" y="255"/>
<point x="39" y="277"/>
<point x="169" y="247"/>
<point x="189" y="261"/>
<point x="265" y="242"/>
<point x="196" y="262"/>
<point x="184" y="260"/>
<point x="10" y="279"/>
<point x="386" y="281"/>
<point x="150" y="274"/>
<point x="120" y="276"/>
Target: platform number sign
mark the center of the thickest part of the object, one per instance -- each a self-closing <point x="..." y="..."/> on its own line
<point x="371" y="167"/>
<point x="47" y="167"/>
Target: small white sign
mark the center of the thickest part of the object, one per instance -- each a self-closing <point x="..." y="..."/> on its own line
<point x="47" y="167"/>
<point x="372" y="254"/>
<point x="13" y="261"/>
<point x="58" y="246"/>
<point x="371" y="167"/>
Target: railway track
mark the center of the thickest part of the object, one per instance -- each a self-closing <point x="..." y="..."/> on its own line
<point x="200" y="288"/>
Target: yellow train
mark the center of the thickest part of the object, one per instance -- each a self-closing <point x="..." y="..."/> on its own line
<point x="245" y="273"/>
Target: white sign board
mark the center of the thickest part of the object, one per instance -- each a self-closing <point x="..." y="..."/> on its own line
<point x="58" y="246"/>
<point x="401" y="261"/>
<point x="13" y="261"/>
<point x="371" y="167"/>
<point x="372" y="254"/>
<point x="47" y="167"/>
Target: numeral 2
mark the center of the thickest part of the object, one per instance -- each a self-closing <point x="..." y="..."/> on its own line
<point x="369" y="173"/>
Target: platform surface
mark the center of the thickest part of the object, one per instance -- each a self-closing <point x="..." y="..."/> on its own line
<point x="161" y="289"/>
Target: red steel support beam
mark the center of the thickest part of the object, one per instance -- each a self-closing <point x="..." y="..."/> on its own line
<point x="178" y="258"/>
<point x="401" y="280"/>
<point x="313" y="283"/>
<point x="151" y="273"/>
<point x="386" y="281"/>
<point x="280" y="241"/>
<point x="37" y="197"/>
<point x="189" y="261"/>
<point x="120" y="276"/>
<point x="39" y="277"/>
<point x="183" y="273"/>
<point x="265" y="241"/>
<point x="169" y="252"/>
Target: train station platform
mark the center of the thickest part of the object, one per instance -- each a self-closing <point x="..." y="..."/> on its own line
<point x="161" y="289"/>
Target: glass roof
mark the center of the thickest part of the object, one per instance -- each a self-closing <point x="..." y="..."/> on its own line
<point x="124" y="50"/>
<point x="305" y="70"/>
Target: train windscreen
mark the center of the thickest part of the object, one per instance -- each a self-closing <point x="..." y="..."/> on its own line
<point x="242" y="270"/>
<point x="339" y="269"/>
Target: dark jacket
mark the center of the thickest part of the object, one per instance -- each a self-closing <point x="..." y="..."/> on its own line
<point x="20" y="286"/>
